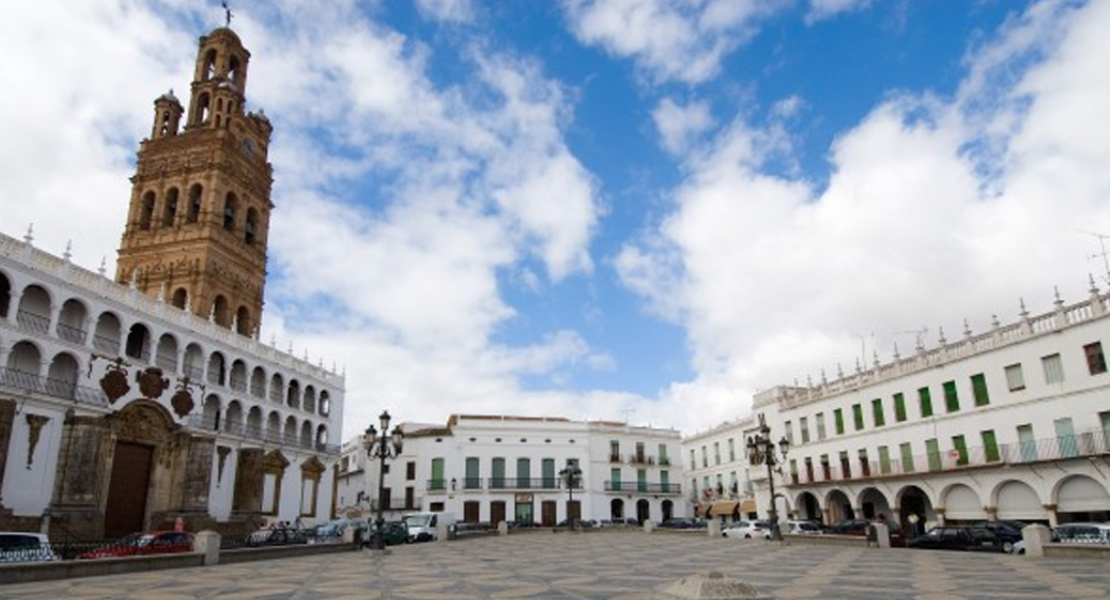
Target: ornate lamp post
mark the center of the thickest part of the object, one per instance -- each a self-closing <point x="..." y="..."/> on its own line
<point x="381" y="446"/>
<point x="761" y="449"/>
<point x="572" y="477"/>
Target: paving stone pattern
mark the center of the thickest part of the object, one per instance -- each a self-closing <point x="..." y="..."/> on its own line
<point x="603" y="565"/>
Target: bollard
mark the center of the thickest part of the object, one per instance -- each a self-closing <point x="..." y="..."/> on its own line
<point x="208" y="544"/>
<point x="714" y="528"/>
<point x="649" y="526"/>
<point x="503" y="527"/>
<point x="1035" y="537"/>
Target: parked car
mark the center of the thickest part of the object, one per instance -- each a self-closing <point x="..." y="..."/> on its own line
<point x="141" y="544"/>
<point x="850" y="527"/>
<point x="1082" y="533"/>
<point x="1007" y="531"/>
<point x="958" y="538"/>
<point x="748" y="529"/>
<point x="394" y="532"/>
<point x="680" y="523"/>
<point x="277" y="537"/>
<point x="18" y="546"/>
<point x="803" y="528"/>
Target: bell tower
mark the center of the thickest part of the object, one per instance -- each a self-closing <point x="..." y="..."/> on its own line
<point x="200" y="198"/>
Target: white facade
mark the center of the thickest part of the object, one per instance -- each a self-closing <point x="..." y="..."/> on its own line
<point x="1013" y="423"/>
<point x="488" y="469"/>
<point x="63" y="329"/>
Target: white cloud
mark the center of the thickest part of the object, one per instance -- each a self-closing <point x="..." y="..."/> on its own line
<point x="679" y="40"/>
<point x="824" y="9"/>
<point x="679" y="125"/>
<point x="397" y="283"/>
<point x="446" y="10"/>
<point x="774" y="280"/>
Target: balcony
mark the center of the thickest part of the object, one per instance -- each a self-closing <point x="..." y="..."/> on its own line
<point x="643" y="487"/>
<point x="524" y="483"/>
<point x="1086" y="444"/>
<point x="640" y="459"/>
<point x="261" y="434"/>
<point x="54" y="388"/>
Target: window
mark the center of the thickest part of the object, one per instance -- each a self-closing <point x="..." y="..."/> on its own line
<point x="716" y="453"/>
<point x="990" y="445"/>
<point x="864" y="463"/>
<point x="789" y="430"/>
<point x="838" y="419"/>
<point x="951" y="397"/>
<point x="899" y="407"/>
<point x="1053" y="368"/>
<point x="473" y="479"/>
<point x="693" y="460"/>
<point x="731" y="450"/>
<point x="884" y="460"/>
<point x="663" y="460"/>
<point x="614" y="451"/>
<point x="932" y="452"/>
<point x="906" y="450"/>
<point x="877" y="412"/>
<point x="1015" y="381"/>
<point x="615" y="479"/>
<point x="704" y="457"/>
<point x="803" y="427"/>
<point x="857" y="416"/>
<point x="1096" y="361"/>
<point x="926" y="401"/>
<point x="1027" y="443"/>
<point x="410" y="470"/>
<point x="820" y="426"/>
<point x="959" y="444"/>
<point x="979" y="390"/>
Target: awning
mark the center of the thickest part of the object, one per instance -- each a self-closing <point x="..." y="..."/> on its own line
<point x="747" y="506"/>
<point x="722" y="508"/>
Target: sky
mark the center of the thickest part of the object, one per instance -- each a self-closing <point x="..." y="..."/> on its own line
<point x="632" y="210"/>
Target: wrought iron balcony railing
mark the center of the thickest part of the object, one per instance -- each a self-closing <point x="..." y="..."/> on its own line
<point x="1085" y="444"/>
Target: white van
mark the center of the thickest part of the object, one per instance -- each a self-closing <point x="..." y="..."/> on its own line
<point x="424" y="526"/>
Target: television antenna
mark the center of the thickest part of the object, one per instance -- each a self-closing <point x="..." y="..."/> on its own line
<point x="1102" y="245"/>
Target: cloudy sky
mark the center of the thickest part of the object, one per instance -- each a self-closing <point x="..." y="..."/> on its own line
<point x="605" y="209"/>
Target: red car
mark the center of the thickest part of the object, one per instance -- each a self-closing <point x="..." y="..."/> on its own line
<point x="141" y="544"/>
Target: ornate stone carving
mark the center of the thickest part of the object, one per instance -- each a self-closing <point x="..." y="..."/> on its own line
<point x="34" y="424"/>
<point x="222" y="452"/>
<point x="114" y="383"/>
<point x="144" y="421"/>
<point x="151" y="382"/>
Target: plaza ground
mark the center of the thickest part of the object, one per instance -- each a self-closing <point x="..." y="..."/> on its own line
<point x="619" y="565"/>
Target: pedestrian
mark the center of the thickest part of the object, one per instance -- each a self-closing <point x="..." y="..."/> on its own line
<point x="913" y="519"/>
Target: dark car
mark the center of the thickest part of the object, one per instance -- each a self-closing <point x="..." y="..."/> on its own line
<point x="680" y="523"/>
<point x="958" y="538"/>
<point x="141" y="544"/>
<point x="394" y="532"/>
<point x="1007" y="531"/>
<point x="277" y="537"/>
<point x="850" y="527"/>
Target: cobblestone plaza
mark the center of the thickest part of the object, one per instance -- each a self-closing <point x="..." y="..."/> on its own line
<point x="620" y="565"/>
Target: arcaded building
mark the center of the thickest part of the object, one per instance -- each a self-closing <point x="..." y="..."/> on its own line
<point x="126" y="404"/>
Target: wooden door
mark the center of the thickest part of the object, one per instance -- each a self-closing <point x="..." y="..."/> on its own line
<point x="126" y="511"/>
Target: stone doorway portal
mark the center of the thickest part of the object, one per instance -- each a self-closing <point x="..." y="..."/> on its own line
<point x="126" y="510"/>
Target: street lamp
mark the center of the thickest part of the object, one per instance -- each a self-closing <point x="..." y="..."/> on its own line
<point x="761" y="449"/>
<point x="381" y="446"/>
<point x="571" y="476"/>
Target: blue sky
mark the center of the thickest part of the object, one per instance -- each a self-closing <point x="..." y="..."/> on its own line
<point x="608" y="209"/>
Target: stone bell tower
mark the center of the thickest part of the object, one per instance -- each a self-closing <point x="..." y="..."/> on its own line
<point x="200" y="198"/>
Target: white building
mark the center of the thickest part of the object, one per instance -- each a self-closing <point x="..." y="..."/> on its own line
<point x="1012" y="423"/>
<point x="221" y="430"/>
<point x="488" y="469"/>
